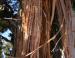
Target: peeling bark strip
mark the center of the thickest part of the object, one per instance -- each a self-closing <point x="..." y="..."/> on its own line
<point x="31" y="25"/>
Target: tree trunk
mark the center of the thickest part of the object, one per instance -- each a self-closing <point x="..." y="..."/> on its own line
<point x="37" y="19"/>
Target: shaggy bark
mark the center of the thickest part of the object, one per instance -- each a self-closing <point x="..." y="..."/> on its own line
<point x="37" y="19"/>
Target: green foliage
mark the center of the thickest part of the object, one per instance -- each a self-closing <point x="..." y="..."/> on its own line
<point x="0" y="52"/>
<point x="0" y="49"/>
<point x="73" y="5"/>
<point x="1" y="8"/>
<point x="3" y="24"/>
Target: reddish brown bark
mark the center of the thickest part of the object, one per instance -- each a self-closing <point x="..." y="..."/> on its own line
<point x="37" y="18"/>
